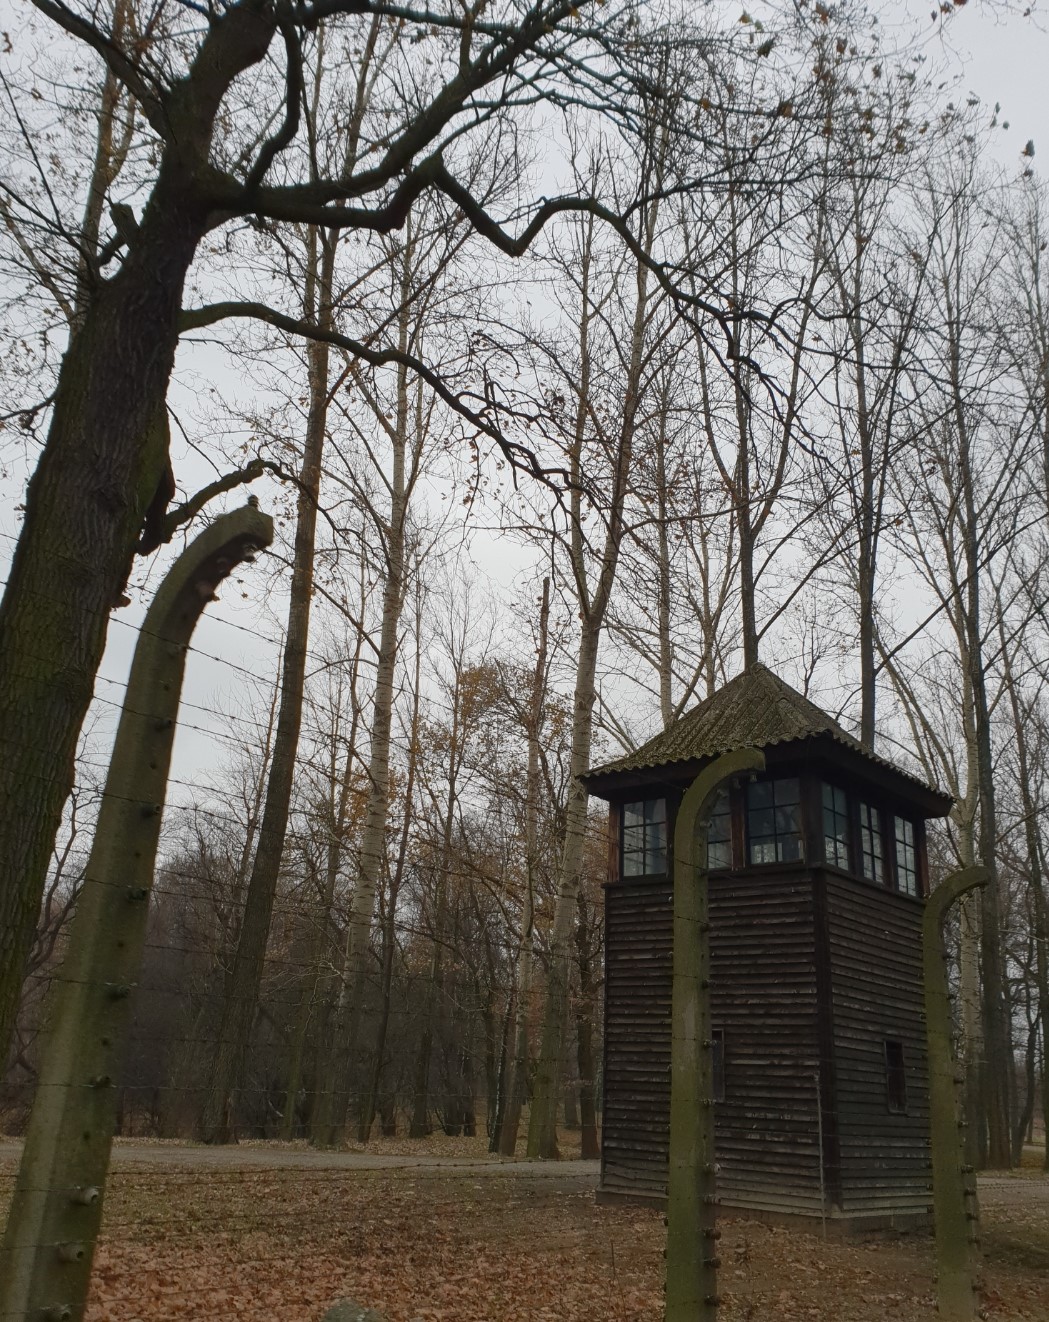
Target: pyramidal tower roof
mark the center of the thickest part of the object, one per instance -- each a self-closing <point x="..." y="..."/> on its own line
<point x="757" y="709"/>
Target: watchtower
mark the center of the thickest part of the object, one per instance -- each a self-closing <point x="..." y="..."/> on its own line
<point x="818" y="875"/>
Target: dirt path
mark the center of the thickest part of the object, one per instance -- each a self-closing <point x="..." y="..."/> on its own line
<point x="128" y="1154"/>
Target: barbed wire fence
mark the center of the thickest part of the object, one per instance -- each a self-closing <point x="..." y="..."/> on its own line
<point x="194" y="907"/>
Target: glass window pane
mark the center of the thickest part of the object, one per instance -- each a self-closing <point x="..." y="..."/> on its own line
<point x="870" y="842"/>
<point x="719" y="833"/>
<point x="787" y="791"/>
<point x="719" y="854"/>
<point x="655" y="810"/>
<point x="644" y="838"/>
<point x="787" y="820"/>
<point x="656" y="848"/>
<point x="633" y="837"/>
<point x="774" y="820"/>
<point x="906" y="856"/>
<point x="655" y="861"/>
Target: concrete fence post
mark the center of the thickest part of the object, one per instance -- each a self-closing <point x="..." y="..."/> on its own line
<point x="56" y="1211"/>
<point x="954" y="1201"/>
<point x="691" y="1283"/>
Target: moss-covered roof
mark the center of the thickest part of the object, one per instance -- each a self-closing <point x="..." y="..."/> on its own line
<point x="754" y="710"/>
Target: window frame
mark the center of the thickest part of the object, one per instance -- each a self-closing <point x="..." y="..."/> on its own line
<point x="914" y="846"/>
<point x="645" y="825"/>
<point x="877" y="812"/>
<point x="730" y="840"/>
<point x="802" y="826"/>
<point x="895" y="1061"/>
<point x="846" y="816"/>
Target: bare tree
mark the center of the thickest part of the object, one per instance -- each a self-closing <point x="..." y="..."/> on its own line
<point x="104" y="462"/>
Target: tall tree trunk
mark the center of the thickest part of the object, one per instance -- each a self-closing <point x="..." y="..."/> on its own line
<point x="517" y="1067"/>
<point x="996" y="1074"/>
<point x="420" y="1122"/>
<point x="1035" y="867"/>
<point x="542" y="1126"/>
<point x="293" y="1083"/>
<point x="315" y="1004"/>
<point x="218" y="1117"/>
<point x="101" y="465"/>
<point x="585" y="1033"/>
<point x="542" y="1123"/>
<point x="389" y="940"/>
<point x="333" y="1098"/>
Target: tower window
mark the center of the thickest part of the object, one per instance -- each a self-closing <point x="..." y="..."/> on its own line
<point x="872" y="854"/>
<point x="895" y="1077"/>
<point x="774" y="820"/>
<point x="835" y="827"/>
<point x="645" y="838"/>
<point x="719" y="834"/>
<point x="906" y="858"/>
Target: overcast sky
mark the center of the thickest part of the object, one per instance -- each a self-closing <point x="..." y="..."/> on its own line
<point x="989" y="49"/>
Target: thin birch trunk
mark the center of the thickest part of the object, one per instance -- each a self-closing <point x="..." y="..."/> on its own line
<point x="1035" y="868"/>
<point x="218" y="1118"/>
<point x="333" y="1099"/>
<point x="371" y="1100"/>
<point x="542" y="1127"/>
<point x="517" y="1066"/>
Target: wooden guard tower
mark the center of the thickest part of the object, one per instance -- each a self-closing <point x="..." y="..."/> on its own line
<point x="817" y="879"/>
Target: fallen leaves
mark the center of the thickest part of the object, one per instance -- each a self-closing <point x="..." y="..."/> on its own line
<point x="195" y="1241"/>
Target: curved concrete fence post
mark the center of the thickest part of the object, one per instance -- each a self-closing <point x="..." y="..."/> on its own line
<point x="56" y="1210"/>
<point x="954" y="1203"/>
<point x="691" y="1294"/>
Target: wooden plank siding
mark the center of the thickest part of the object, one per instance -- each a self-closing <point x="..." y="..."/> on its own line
<point x="764" y="1001"/>
<point x="874" y="940"/>
<point x="638" y="970"/>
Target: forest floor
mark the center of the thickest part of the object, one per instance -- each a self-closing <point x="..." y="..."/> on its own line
<point x="439" y="1232"/>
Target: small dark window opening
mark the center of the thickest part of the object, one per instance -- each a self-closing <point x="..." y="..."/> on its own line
<point x="774" y="820"/>
<point x="645" y="838"/>
<point x="717" y="1063"/>
<point x="835" y="827"/>
<point x="895" y="1077"/>
<point x="719" y="835"/>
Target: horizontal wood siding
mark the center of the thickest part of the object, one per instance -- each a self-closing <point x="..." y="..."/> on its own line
<point x="638" y="963"/>
<point x="763" y="999"/>
<point x="874" y="941"/>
